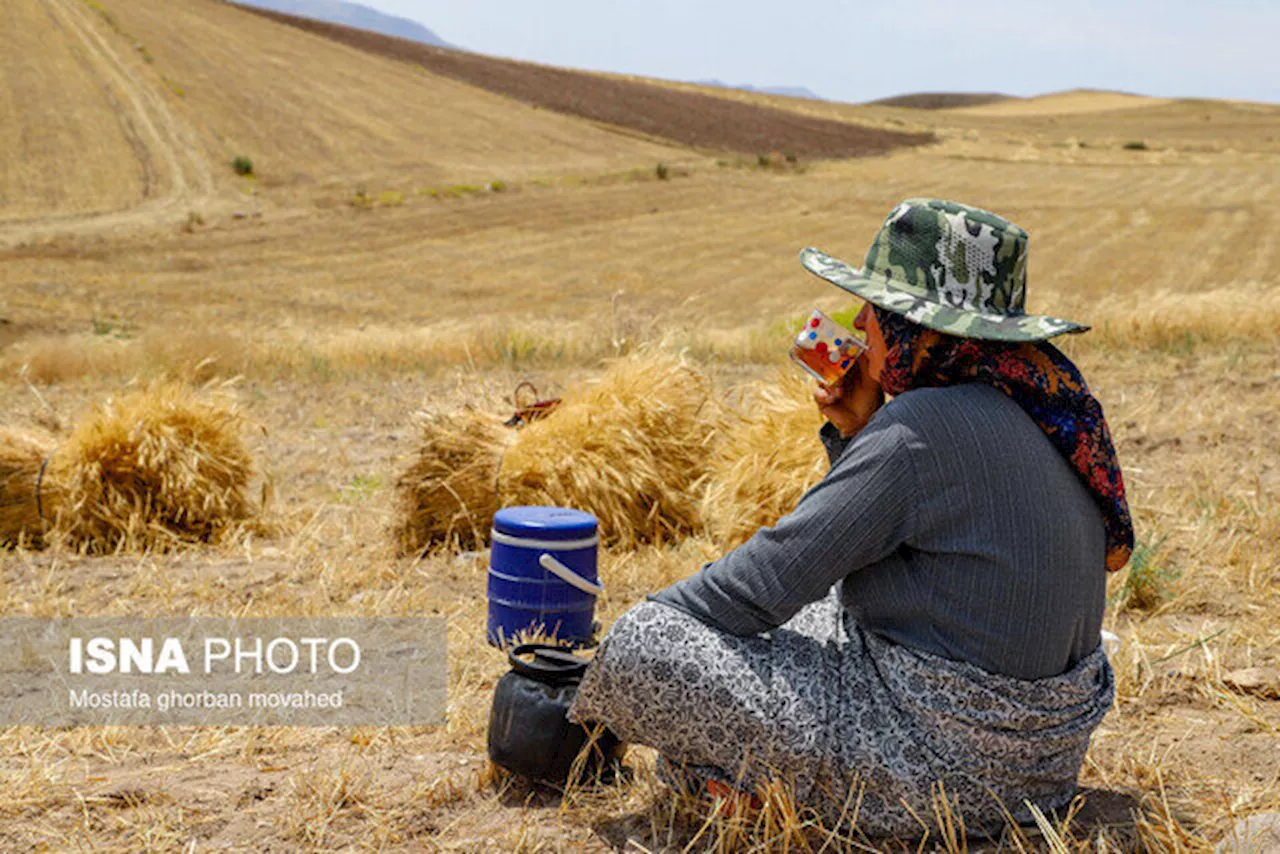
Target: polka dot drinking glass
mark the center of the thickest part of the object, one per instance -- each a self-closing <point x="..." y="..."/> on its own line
<point x="825" y="349"/>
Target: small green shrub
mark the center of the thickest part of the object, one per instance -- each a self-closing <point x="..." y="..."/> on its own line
<point x="111" y="328"/>
<point x="662" y="171"/>
<point x="360" y="489"/>
<point x="497" y="186"/>
<point x="764" y="161"/>
<point x="242" y="165"/>
<point x="105" y="15"/>
<point x="390" y="198"/>
<point x="1149" y="582"/>
<point x="457" y="191"/>
<point x="519" y="347"/>
<point x="1135" y="145"/>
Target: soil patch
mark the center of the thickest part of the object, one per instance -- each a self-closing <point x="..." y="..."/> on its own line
<point x="942" y="100"/>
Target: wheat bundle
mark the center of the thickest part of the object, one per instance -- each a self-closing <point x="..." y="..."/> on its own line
<point x="450" y="492"/>
<point x="153" y="468"/>
<point x="630" y="449"/>
<point x="27" y="499"/>
<point x="768" y="459"/>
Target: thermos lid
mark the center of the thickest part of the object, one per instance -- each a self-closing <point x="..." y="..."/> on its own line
<point x="550" y="663"/>
<point x="545" y="523"/>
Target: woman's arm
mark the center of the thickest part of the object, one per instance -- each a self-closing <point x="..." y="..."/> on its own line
<point x="859" y="513"/>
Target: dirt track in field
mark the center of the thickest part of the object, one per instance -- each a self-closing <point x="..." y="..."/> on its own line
<point x="701" y="121"/>
<point x="172" y="173"/>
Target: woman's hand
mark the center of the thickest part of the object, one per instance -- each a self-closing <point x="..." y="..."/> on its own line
<point x="850" y="404"/>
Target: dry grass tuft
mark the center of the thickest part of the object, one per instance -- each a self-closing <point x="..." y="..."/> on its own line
<point x="450" y="492"/>
<point x="769" y="457"/>
<point x="152" y="469"/>
<point x="26" y="499"/>
<point x="630" y="449"/>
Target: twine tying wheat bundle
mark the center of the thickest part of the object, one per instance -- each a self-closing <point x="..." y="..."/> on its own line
<point x="24" y="506"/>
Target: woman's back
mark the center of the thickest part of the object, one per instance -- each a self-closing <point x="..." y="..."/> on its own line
<point x="954" y="526"/>
<point x="1002" y="565"/>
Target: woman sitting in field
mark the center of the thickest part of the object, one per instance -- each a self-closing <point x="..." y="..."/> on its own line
<point x="930" y="612"/>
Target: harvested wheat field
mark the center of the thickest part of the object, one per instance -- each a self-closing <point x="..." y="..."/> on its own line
<point x="411" y="242"/>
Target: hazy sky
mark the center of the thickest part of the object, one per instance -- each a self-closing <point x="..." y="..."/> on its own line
<point x="855" y="51"/>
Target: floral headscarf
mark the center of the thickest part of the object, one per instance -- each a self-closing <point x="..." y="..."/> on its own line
<point x="1041" y="380"/>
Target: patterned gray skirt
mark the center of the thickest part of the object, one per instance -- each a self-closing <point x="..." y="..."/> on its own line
<point x="849" y="721"/>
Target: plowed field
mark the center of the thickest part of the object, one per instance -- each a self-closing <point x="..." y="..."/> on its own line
<point x="689" y="118"/>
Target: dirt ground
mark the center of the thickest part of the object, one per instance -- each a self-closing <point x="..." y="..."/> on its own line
<point x="1179" y="743"/>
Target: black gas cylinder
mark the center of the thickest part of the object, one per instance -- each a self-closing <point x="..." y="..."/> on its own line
<point x="530" y="733"/>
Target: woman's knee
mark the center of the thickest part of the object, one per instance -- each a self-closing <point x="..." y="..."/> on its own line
<point x="637" y="621"/>
<point x="657" y="656"/>
<point x="649" y="644"/>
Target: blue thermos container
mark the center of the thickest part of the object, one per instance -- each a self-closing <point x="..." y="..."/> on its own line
<point x="542" y="574"/>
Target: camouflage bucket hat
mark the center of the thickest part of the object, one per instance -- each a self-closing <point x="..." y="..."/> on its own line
<point x="950" y="267"/>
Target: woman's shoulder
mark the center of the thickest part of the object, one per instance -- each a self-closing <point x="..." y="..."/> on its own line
<point x="968" y="422"/>
<point x="929" y="416"/>
<point x="928" y="406"/>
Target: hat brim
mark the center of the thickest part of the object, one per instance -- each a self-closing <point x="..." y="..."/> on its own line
<point x="933" y="314"/>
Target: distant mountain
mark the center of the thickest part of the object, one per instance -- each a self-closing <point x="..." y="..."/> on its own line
<point x="789" y="91"/>
<point x="351" y="15"/>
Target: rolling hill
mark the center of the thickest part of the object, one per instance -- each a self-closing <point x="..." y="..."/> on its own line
<point x="136" y="110"/>
<point x="695" y="119"/>
<point x="1064" y="103"/>
<point x="125" y="113"/>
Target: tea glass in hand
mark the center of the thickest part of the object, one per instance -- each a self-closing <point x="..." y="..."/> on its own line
<point x="826" y="350"/>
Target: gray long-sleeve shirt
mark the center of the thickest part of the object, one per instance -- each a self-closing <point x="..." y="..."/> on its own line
<point x="953" y="526"/>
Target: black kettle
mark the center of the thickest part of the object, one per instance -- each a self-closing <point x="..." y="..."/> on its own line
<point x="530" y="733"/>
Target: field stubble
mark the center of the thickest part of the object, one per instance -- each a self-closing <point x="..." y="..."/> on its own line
<point x="1204" y="486"/>
<point x="342" y="322"/>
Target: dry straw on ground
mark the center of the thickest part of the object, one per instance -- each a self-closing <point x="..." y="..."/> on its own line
<point x="151" y="469"/>
<point x="450" y="492"/>
<point x="630" y="448"/>
<point x="26" y="501"/>
<point x="768" y="458"/>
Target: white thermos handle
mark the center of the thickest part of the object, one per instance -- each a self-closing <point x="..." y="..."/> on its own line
<point x="550" y="564"/>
